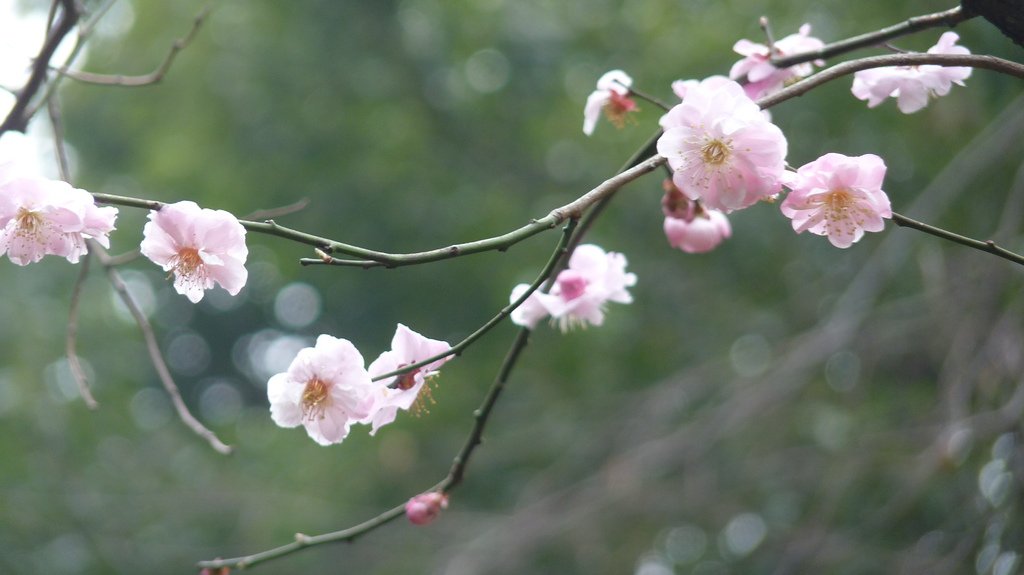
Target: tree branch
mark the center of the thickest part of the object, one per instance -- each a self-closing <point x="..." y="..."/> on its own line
<point x="950" y="18"/>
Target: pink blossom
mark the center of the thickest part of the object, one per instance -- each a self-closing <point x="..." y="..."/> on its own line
<point x="838" y="196"/>
<point x="425" y="507"/>
<point x="403" y="391"/>
<point x="721" y="148"/>
<point x="689" y="226"/>
<point x="612" y="97"/>
<point x="580" y="292"/>
<point x="762" y="77"/>
<point x="199" y="245"/>
<point x="39" y="217"/>
<point x="912" y="86"/>
<point x="325" y="389"/>
<point x="679" y="87"/>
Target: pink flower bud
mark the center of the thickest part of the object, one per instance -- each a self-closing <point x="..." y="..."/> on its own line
<point x="425" y="507"/>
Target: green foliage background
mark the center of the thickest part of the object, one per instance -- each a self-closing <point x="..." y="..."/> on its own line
<point x="841" y="404"/>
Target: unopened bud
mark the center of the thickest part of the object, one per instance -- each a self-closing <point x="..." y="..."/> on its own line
<point x="425" y="507"/>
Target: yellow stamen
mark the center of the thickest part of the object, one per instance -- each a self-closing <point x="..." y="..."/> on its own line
<point x="315" y="399"/>
<point x="716" y="152"/>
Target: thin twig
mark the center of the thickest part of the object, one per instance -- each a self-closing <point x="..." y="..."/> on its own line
<point x="949" y="18"/>
<point x="455" y="474"/>
<point x="267" y="214"/>
<point x="71" y="339"/>
<point x="17" y="119"/>
<point x="649" y="98"/>
<point x="846" y="68"/>
<point x="153" y="77"/>
<point x="155" y="355"/>
<point x="985" y="246"/>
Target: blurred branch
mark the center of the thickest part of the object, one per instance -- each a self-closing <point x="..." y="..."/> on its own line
<point x="986" y="246"/>
<point x="950" y="18"/>
<point x="153" y="77"/>
<point x="557" y="216"/>
<point x="17" y="119"/>
<point x="154" y="352"/>
<point x="71" y="340"/>
<point x="457" y="471"/>
<point x="291" y="208"/>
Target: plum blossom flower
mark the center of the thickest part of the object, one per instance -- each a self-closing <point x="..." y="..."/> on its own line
<point x="838" y="196"/>
<point x="201" y="246"/>
<point x="580" y="292"/>
<point x="721" y="148"/>
<point x="325" y="389"/>
<point x="408" y="389"/>
<point x="425" y="507"/>
<point x="762" y="77"/>
<point x="40" y="217"/>
<point x="689" y="226"/>
<point x="912" y="86"/>
<point x="611" y="96"/>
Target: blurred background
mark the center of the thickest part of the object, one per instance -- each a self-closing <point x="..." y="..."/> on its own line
<point x="776" y="406"/>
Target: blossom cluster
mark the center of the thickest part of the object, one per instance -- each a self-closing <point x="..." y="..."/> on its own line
<point x="41" y="217"/>
<point x="725" y="154"/>
<point x="327" y="388"/>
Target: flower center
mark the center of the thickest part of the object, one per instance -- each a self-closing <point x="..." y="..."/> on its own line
<point x="315" y="398"/>
<point x="715" y="152"/>
<point x="29" y="223"/>
<point x="187" y="262"/>
<point x="837" y="204"/>
<point x="571" y="284"/>
<point x="617" y="108"/>
<point x="407" y="380"/>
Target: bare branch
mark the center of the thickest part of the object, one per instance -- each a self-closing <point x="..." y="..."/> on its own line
<point x="155" y="354"/>
<point x="71" y="340"/>
<point x="153" y="77"/>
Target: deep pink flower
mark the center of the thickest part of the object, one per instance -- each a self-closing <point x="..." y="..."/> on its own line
<point x="689" y="226"/>
<point x="580" y="292"/>
<point x="39" y="217"/>
<point x="200" y="246"/>
<point x="912" y="86"/>
<point x="762" y="77"/>
<point x="326" y="389"/>
<point x="403" y="391"/>
<point x="838" y="196"/>
<point x="721" y="148"/>
<point x="425" y="507"/>
<point x="612" y="97"/>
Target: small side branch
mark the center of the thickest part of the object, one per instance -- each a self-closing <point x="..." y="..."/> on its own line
<point x="153" y="77"/>
<point x="155" y="356"/>
<point x="71" y="339"/>
<point x="985" y="246"/>
<point x="949" y="18"/>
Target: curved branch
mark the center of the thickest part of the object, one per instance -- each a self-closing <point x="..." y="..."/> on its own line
<point x="375" y="258"/>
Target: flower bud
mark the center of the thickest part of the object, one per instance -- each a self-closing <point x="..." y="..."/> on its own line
<point x="425" y="507"/>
